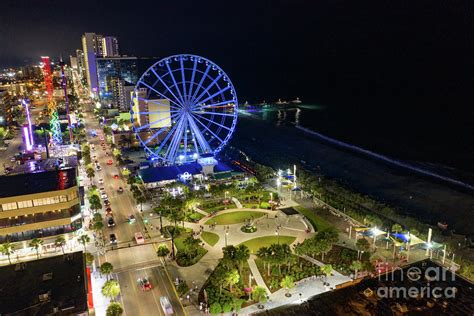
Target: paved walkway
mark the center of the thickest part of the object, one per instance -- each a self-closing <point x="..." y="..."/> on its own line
<point x="256" y="274"/>
<point x="237" y="202"/>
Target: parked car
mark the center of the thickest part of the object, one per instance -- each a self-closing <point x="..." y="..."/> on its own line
<point x="108" y="211"/>
<point x="103" y="196"/>
<point x="120" y="190"/>
<point x="131" y="219"/>
<point x="106" y="202"/>
<point x="139" y="238"/>
<point x="101" y="181"/>
<point x="110" y="221"/>
<point x="113" y="239"/>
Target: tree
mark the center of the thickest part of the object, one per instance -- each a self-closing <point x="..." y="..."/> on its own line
<point x="259" y="294"/>
<point x="89" y="258"/>
<point x="36" y="244"/>
<point x="60" y="242"/>
<point x="90" y="172"/>
<point x="97" y="217"/>
<point x="84" y="239"/>
<point x="232" y="277"/>
<point x="356" y="266"/>
<point x="140" y="199"/>
<point x="327" y="270"/>
<point x="98" y="226"/>
<point x="106" y="268"/>
<point x="182" y="288"/>
<point x="162" y="252"/>
<point x="242" y="255"/>
<point x="94" y="203"/>
<point x="7" y="249"/>
<point x="190" y="246"/>
<point x="287" y="283"/>
<point x="264" y="254"/>
<point x="362" y="245"/>
<point x="396" y="228"/>
<point x="215" y="308"/>
<point x="125" y="172"/>
<point x="111" y="289"/>
<point x="114" y="309"/>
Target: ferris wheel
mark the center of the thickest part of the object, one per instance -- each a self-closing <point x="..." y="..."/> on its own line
<point x="183" y="107"/>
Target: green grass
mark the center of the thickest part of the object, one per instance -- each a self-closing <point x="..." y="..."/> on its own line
<point x="265" y="241"/>
<point x="178" y="242"/>
<point x="210" y="238"/>
<point x="318" y="222"/>
<point x="234" y="217"/>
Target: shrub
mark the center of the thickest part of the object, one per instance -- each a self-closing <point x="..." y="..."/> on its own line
<point x="215" y="308"/>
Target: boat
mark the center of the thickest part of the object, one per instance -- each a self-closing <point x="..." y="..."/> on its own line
<point x="262" y="104"/>
<point x="246" y="104"/>
<point x="280" y="102"/>
<point x="296" y="101"/>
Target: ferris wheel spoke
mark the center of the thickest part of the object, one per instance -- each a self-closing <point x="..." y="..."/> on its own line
<point x="175" y="84"/>
<point x="185" y="137"/>
<point x="192" y="80"/>
<point x="154" y="112"/>
<point x="219" y="104"/>
<point x="159" y="93"/>
<point x="164" y="142"/>
<point x="196" y="100"/>
<point x="183" y="82"/>
<point x="161" y="130"/>
<point x="207" y="128"/>
<point x="214" y="113"/>
<point x="138" y="129"/>
<point x="175" y="142"/>
<point x="177" y="100"/>
<point x="199" y="86"/>
<point x="215" y="94"/>
<point x="159" y="103"/>
<point x="213" y="122"/>
<point x="205" y="147"/>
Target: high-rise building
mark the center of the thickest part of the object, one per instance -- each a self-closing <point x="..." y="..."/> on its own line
<point x="110" y="46"/>
<point x="80" y="63"/>
<point x="6" y="104"/>
<point x="39" y="204"/>
<point x="73" y="61"/>
<point x="92" y="46"/>
<point x="113" y="72"/>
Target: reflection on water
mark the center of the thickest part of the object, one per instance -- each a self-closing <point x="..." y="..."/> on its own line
<point x="284" y="115"/>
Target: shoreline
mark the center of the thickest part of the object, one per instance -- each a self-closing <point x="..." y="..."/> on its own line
<point x="423" y="197"/>
<point x="385" y="159"/>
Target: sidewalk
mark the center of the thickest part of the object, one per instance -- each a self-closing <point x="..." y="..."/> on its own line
<point x="256" y="274"/>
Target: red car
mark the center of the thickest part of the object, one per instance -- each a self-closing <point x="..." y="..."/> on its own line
<point x="116" y="176"/>
<point x="110" y="162"/>
<point x="145" y="284"/>
<point x="108" y="211"/>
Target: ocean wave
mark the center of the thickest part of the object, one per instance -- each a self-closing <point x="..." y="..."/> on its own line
<point x="386" y="159"/>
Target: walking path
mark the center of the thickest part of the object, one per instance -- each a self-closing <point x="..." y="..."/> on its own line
<point x="256" y="274"/>
<point x="237" y="202"/>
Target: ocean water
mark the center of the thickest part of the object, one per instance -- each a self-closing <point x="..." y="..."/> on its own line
<point x="435" y="141"/>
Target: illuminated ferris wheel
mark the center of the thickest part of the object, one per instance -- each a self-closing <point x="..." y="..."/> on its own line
<point x="183" y="107"/>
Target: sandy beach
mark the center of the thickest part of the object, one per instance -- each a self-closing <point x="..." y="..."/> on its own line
<point x="423" y="197"/>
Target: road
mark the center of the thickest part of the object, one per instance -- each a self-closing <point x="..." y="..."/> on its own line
<point x="130" y="260"/>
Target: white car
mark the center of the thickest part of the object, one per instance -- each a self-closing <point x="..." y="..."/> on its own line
<point x="166" y="305"/>
<point x="103" y="196"/>
<point x="101" y="181"/>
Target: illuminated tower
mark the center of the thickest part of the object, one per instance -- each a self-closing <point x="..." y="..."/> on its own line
<point x="54" y="124"/>
<point x="66" y="101"/>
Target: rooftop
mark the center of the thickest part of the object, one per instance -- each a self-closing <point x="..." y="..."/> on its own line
<point x="42" y="285"/>
<point x="37" y="182"/>
<point x="381" y="295"/>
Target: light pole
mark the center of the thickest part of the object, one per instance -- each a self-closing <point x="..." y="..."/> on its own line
<point x="277" y="233"/>
<point x="225" y="194"/>
<point x="226" y="234"/>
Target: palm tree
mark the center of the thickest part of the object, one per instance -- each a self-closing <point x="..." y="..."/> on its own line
<point x="84" y="239"/>
<point x="7" y="249"/>
<point x="111" y="289"/>
<point x="162" y="252"/>
<point x="327" y="270"/>
<point x="356" y="266"/>
<point x="98" y="226"/>
<point x="106" y="268"/>
<point x="60" y="242"/>
<point x="94" y="203"/>
<point x="288" y="283"/>
<point x="140" y="199"/>
<point x="36" y="243"/>
<point x="242" y="254"/>
<point x="265" y="255"/>
<point x="97" y="217"/>
<point x="114" y="309"/>
<point x="232" y="277"/>
<point x="90" y="172"/>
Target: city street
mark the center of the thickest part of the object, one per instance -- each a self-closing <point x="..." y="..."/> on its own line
<point x="130" y="261"/>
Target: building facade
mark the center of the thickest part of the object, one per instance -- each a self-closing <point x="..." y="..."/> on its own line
<point x="92" y="46"/>
<point x="6" y="108"/>
<point x="39" y="205"/>
<point x="110" y="46"/>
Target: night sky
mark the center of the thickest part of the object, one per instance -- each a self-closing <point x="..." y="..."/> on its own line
<point x="409" y="55"/>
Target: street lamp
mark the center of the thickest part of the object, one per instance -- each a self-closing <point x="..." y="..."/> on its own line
<point x="226" y="234"/>
<point x="225" y="194"/>
<point x="277" y="233"/>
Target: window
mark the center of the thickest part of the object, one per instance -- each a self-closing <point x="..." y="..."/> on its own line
<point x="24" y="204"/>
<point x="9" y="206"/>
<point x="62" y="198"/>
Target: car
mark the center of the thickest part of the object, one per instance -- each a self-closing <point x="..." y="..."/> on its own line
<point x="102" y="190"/>
<point x="116" y="176"/>
<point x="110" y="162"/>
<point x="131" y="219"/>
<point x="101" y="181"/>
<point x="139" y="238"/>
<point x="106" y="202"/>
<point x="108" y="211"/>
<point x="166" y="305"/>
<point x="120" y="190"/>
<point x="113" y="239"/>
<point x="94" y="157"/>
<point x="103" y="196"/>
<point x="144" y="284"/>
<point x="98" y="168"/>
<point x="110" y="221"/>
<point x="106" y="153"/>
<point x="101" y="138"/>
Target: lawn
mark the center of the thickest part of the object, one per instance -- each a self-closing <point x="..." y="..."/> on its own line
<point x="234" y="217"/>
<point x="265" y="241"/>
<point x="210" y="238"/>
<point x="318" y="222"/>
